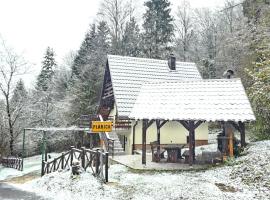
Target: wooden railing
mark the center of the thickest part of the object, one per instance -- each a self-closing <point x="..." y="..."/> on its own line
<point x="12" y="162"/>
<point x="121" y="123"/>
<point x="96" y="160"/>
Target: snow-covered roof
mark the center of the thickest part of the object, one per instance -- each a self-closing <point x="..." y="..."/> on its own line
<point x="129" y="73"/>
<point x="209" y="100"/>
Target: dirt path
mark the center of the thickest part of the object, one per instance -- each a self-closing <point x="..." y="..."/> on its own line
<point x="8" y="192"/>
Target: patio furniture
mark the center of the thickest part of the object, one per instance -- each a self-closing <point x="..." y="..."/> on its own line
<point x="174" y="152"/>
<point x="157" y="154"/>
<point x="186" y="156"/>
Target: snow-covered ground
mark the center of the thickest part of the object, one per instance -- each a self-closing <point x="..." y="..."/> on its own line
<point x="31" y="164"/>
<point x="247" y="179"/>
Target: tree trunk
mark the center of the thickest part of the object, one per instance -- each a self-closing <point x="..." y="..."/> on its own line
<point x="11" y="134"/>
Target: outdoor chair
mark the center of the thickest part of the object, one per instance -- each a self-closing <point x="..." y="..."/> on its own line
<point x="155" y="155"/>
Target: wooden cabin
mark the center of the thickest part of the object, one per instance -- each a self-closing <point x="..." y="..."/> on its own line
<point x="123" y="80"/>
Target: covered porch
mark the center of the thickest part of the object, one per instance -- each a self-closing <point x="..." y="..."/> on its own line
<point x="191" y="103"/>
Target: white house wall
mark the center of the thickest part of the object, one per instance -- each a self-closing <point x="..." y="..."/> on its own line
<point x="171" y="133"/>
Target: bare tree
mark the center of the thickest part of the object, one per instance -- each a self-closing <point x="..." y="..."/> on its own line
<point x="11" y="66"/>
<point x="185" y="28"/>
<point x="116" y="13"/>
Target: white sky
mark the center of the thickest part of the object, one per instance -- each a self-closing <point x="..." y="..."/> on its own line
<point x="29" y="26"/>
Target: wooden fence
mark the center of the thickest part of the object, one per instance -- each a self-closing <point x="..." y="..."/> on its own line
<point x="12" y="162"/>
<point x="96" y="160"/>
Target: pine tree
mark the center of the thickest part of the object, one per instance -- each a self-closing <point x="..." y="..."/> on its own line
<point x="47" y="71"/>
<point x="86" y="88"/>
<point x="101" y="45"/>
<point x="158" y="28"/>
<point x="85" y="50"/>
<point x="208" y="71"/>
<point x="131" y="39"/>
<point x="19" y="93"/>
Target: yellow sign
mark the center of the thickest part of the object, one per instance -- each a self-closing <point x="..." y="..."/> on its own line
<point x="98" y="126"/>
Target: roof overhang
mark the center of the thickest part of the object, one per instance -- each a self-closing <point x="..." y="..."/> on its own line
<point x="203" y="100"/>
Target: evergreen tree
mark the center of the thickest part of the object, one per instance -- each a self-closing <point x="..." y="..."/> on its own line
<point x="85" y="50"/>
<point x="158" y="28"/>
<point x="101" y="46"/>
<point x="131" y="39"/>
<point x="47" y="71"/>
<point x="19" y="94"/>
<point x="85" y="91"/>
<point x="208" y="71"/>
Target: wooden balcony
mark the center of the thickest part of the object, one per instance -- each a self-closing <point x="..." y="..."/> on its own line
<point x="121" y="123"/>
<point x="118" y="124"/>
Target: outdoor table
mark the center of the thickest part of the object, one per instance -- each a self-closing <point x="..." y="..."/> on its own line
<point x="174" y="152"/>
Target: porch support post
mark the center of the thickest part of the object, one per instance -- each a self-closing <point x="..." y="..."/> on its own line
<point x="240" y="126"/>
<point x="242" y="134"/>
<point x="144" y="128"/>
<point x="133" y="139"/>
<point x="191" y="142"/>
<point x="158" y="136"/>
<point x="229" y="140"/>
<point x="191" y="126"/>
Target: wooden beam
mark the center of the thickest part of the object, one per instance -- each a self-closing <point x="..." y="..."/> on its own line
<point x="133" y="139"/>
<point x="144" y="129"/>
<point x="240" y="126"/>
<point x="163" y="123"/>
<point x="229" y="141"/>
<point x="184" y="123"/>
<point x="235" y="125"/>
<point x="197" y="124"/>
<point x="158" y="136"/>
<point x="149" y="123"/>
<point x="191" y="142"/>
<point x="242" y="134"/>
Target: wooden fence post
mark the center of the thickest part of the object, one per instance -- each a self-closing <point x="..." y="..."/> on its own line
<point x="113" y="149"/>
<point x="83" y="158"/>
<point x="106" y="167"/>
<point x="62" y="161"/>
<point x="54" y="164"/>
<point x="71" y="155"/>
<point x="42" y="168"/>
<point x="97" y="161"/>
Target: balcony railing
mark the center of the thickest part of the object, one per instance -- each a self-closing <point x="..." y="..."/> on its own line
<point x="118" y="123"/>
<point x="121" y="123"/>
